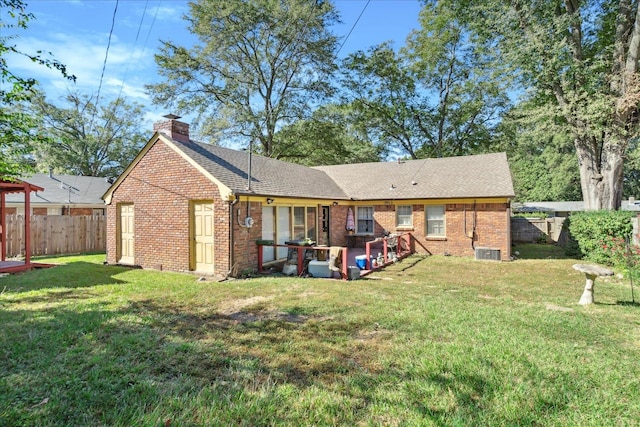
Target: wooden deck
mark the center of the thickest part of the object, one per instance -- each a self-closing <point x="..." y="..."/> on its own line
<point x="19" y="266"/>
<point x="402" y="247"/>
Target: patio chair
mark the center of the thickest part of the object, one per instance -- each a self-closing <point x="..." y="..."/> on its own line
<point x="392" y="241"/>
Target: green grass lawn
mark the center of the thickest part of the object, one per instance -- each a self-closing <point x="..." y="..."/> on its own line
<point x="430" y="341"/>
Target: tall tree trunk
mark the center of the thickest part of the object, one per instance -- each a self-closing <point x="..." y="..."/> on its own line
<point x="590" y="176"/>
<point x="601" y="168"/>
<point x="612" y="173"/>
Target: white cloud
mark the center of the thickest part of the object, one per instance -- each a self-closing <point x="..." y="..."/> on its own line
<point x="84" y="57"/>
<point x="162" y="12"/>
<point x="77" y="34"/>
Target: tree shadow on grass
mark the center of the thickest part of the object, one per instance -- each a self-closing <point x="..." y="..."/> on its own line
<point x="151" y="359"/>
<point x="628" y="303"/>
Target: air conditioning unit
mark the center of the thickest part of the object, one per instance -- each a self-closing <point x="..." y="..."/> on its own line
<point x="488" y="254"/>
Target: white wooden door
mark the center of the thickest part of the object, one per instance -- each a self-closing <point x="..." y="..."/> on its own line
<point x="203" y="236"/>
<point x="127" y="235"/>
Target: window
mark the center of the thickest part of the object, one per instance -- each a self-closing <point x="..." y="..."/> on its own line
<point x="404" y="216"/>
<point x="365" y="219"/>
<point x="435" y="221"/>
<point x="312" y="220"/>
<point x="290" y="223"/>
<point x="298" y="223"/>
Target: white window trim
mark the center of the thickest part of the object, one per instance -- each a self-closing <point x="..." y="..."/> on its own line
<point x="410" y="216"/>
<point x="358" y="219"/>
<point x="444" y="222"/>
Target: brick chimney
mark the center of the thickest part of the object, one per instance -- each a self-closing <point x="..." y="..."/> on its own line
<point x="173" y="128"/>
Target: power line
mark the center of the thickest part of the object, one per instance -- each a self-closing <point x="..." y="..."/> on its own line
<point x="126" y="71"/>
<point x="153" y="20"/>
<point x="106" y="55"/>
<point x="352" y="28"/>
<point x="349" y="33"/>
<point x="249" y="148"/>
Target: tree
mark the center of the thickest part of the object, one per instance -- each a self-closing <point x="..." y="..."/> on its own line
<point x="84" y="139"/>
<point x="383" y="95"/>
<point x="580" y="59"/>
<point x="17" y="128"/>
<point x="463" y="78"/>
<point x="541" y="157"/>
<point x="433" y="98"/>
<point x="260" y="65"/>
<point x="328" y="137"/>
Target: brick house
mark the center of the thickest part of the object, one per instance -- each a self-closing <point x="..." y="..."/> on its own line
<point x="182" y="205"/>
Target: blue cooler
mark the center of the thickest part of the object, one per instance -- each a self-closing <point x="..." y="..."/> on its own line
<point x="361" y="261"/>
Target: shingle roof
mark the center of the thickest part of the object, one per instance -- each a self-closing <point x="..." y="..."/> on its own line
<point x="64" y="189"/>
<point x="478" y="176"/>
<point x="268" y="176"/>
<point x="484" y="175"/>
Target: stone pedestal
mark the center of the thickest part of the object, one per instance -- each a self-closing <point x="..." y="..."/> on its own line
<point x="591" y="272"/>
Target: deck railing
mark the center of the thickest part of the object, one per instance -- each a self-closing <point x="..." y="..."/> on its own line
<point x="391" y="248"/>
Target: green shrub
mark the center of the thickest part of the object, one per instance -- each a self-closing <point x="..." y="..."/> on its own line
<point x="599" y="234"/>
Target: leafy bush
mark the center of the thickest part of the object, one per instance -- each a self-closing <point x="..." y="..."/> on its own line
<point x="622" y="254"/>
<point x="599" y="234"/>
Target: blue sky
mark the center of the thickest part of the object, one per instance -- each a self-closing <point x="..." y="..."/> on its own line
<point x="77" y="33"/>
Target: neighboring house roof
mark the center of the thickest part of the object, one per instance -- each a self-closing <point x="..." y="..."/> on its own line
<point x="64" y="190"/>
<point x="574" y="206"/>
<point x="483" y="175"/>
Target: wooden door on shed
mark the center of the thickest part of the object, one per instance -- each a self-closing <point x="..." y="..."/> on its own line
<point x="126" y="245"/>
<point x="202" y="236"/>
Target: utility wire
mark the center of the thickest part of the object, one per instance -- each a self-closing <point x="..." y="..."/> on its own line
<point x="126" y="71"/>
<point x="104" y="64"/>
<point x="352" y="28"/>
<point x="144" y="46"/>
<point x="350" y="31"/>
<point x="155" y="15"/>
<point x="106" y="54"/>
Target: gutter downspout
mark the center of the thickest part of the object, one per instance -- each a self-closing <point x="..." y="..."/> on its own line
<point x="231" y="225"/>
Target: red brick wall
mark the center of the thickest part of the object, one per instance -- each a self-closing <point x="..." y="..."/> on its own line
<point x="245" y="251"/>
<point x="161" y="187"/>
<point x="338" y="221"/>
<point x="492" y="228"/>
<point x="80" y="211"/>
<point x="39" y="211"/>
<point x="163" y="184"/>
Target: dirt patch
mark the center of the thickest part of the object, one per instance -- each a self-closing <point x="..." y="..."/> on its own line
<point x="558" y="308"/>
<point x="309" y="294"/>
<point x="243" y="311"/>
<point x="246" y="317"/>
<point x="234" y="306"/>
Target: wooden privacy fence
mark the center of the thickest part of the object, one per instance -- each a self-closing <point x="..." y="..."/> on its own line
<point x="56" y="234"/>
<point x="539" y="230"/>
